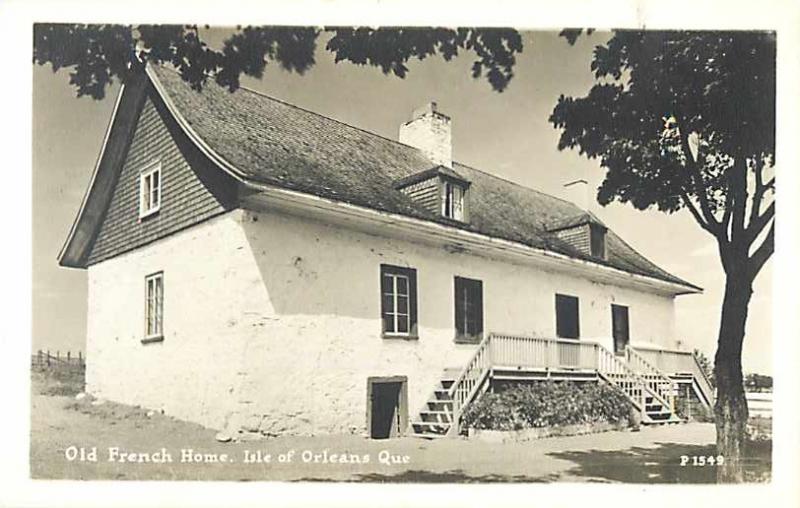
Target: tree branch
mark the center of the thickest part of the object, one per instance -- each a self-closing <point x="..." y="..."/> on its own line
<point x="759" y="222"/>
<point x="699" y="186"/>
<point x="758" y="196"/>
<point x="738" y="185"/>
<point x="763" y="253"/>
<point x="696" y="214"/>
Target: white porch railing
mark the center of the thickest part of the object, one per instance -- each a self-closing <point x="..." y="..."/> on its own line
<point x="679" y="362"/>
<point x="510" y="351"/>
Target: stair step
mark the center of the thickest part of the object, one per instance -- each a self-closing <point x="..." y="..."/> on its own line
<point x="662" y="422"/>
<point x="430" y="427"/>
<point x="427" y="436"/>
<point x="442" y="395"/>
<point x="435" y="412"/>
<point x="435" y="416"/>
<point x="446" y="403"/>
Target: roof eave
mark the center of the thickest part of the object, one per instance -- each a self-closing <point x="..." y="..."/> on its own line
<point x="444" y="233"/>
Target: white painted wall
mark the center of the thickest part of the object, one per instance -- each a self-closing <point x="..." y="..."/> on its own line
<point x="278" y="317"/>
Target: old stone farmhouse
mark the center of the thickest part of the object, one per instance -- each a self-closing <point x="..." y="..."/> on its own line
<point x="254" y="265"/>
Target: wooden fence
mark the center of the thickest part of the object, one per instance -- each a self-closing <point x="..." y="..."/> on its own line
<point x="66" y="359"/>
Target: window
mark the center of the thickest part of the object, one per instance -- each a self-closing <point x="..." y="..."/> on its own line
<point x="597" y="240"/>
<point x="567" y="320"/>
<point x="453" y="201"/>
<point x="154" y="307"/>
<point x="469" y="309"/>
<point x="399" y="301"/>
<point x="150" y="191"/>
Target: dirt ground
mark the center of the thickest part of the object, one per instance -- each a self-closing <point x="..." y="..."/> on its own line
<point x="62" y="427"/>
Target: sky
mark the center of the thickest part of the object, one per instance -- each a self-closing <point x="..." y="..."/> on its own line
<point x="506" y="134"/>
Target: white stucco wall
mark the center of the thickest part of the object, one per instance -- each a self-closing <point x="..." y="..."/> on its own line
<point x="192" y="374"/>
<point x="279" y="317"/>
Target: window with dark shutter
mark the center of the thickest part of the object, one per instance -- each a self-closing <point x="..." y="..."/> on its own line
<point x="468" y="309"/>
<point x="399" y="301"/>
<point x="567" y="320"/>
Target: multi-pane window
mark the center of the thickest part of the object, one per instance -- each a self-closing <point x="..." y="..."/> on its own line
<point x="567" y="320"/>
<point x="399" y="300"/>
<point x="154" y="306"/>
<point x="468" y="309"/>
<point x="453" y="201"/>
<point x="150" y="191"/>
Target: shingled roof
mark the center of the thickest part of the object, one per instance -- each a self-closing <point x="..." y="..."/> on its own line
<point x="272" y="142"/>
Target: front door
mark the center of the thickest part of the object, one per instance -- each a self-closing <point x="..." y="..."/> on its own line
<point x="387" y="416"/>
<point x="619" y="326"/>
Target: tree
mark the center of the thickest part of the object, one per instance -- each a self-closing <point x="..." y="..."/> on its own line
<point x="687" y="120"/>
<point x="99" y="54"/>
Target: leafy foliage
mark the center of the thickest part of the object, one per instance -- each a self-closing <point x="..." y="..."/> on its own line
<point x="546" y="404"/>
<point x="670" y="113"/>
<point x="97" y="54"/>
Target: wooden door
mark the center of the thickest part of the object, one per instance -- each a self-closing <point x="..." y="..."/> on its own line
<point x="620" y="328"/>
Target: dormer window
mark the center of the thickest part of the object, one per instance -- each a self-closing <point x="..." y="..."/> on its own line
<point x="453" y="201"/>
<point x="439" y="190"/>
<point x="150" y="190"/>
<point x="597" y="240"/>
<point x="583" y="232"/>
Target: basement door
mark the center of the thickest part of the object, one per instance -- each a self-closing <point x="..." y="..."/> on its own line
<point x="619" y="328"/>
<point x="387" y="414"/>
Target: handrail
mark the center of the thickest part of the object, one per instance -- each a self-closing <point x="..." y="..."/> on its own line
<point x="703" y="382"/>
<point x="610" y="358"/>
<point x="644" y="379"/>
<point x="549" y="353"/>
<point x="469" y="380"/>
<point x="655" y="378"/>
<point x="676" y="361"/>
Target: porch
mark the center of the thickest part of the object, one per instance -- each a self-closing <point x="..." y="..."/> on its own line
<point x="649" y="377"/>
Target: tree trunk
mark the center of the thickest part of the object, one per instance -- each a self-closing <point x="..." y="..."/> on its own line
<point x="730" y="410"/>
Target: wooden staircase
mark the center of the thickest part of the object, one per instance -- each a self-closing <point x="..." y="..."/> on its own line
<point x="436" y="418"/>
<point x="650" y="391"/>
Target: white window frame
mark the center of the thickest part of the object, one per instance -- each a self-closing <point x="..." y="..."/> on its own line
<point x="453" y="201"/>
<point x="154" y="306"/>
<point x="398" y="316"/>
<point x="150" y="196"/>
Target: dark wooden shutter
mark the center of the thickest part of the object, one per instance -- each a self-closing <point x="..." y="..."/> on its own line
<point x="412" y="301"/>
<point x="460" y="307"/>
<point x="567" y="317"/>
<point x="476" y="308"/>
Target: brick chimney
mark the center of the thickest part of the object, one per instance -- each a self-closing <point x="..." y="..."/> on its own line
<point x="429" y="130"/>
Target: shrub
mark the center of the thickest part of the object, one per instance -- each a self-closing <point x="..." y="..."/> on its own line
<point x="546" y="404"/>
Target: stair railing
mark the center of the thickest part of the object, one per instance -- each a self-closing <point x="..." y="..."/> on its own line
<point x="469" y="381"/>
<point x="679" y="362"/>
<point x="618" y="372"/>
<point x="656" y="380"/>
<point x="699" y="374"/>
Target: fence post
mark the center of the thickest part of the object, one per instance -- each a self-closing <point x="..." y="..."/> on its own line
<point x="48" y="357"/>
<point x="80" y="359"/>
<point x="68" y="356"/>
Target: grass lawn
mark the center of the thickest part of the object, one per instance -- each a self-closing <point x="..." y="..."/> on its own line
<point x="62" y="425"/>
